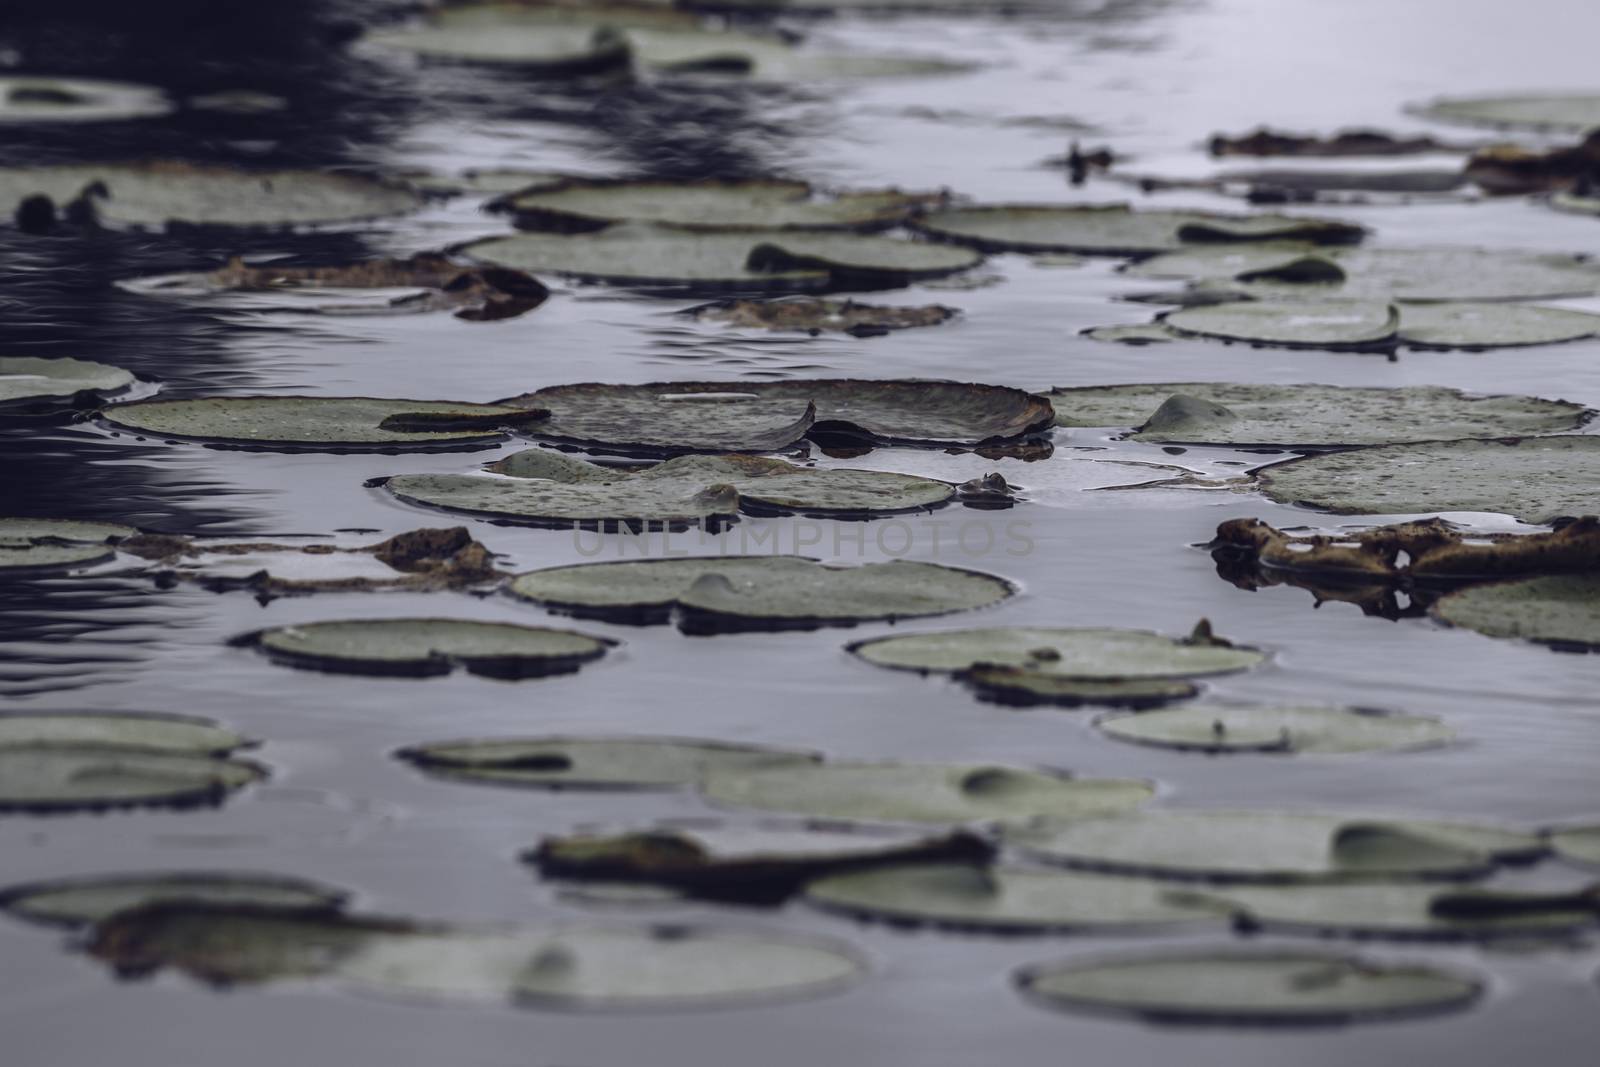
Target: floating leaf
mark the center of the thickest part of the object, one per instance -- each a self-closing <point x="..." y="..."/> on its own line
<point x="1079" y="654"/>
<point x="1563" y="610"/>
<point x="155" y="194"/>
<point x="1117" y="229"/>
<point x="1267" y="142"/>
<point x="579" y="204"/>
<point x="1467" y="325"/>
<point x="1224" y="413"/>
<point x="548" y="488"/>
<point x="716" y="593"/>
<point x="592" y="762"/>
<point x="1511" y="169"/>
<point x="1303" y="324"/>
<point x="1576" y="203"/>
<point x="673" y="417"/>
<point x="56" y="544"/>
<point x="423" y="647"/>
<point x="35" y="99"/>
<point x="1535" y="479"/>
<point x="550" y="51"/>
<point x="922" y="792"/>
<point x="759" y="260"/>
<point x="28" y="383"/>
<point x="1215" y="728"/>
<point x="1005" y="899"/>
<point x="135" y="731"/>
<point x="725" y="861"/>
<point x="80" y="901"/>
<point x="1270" y="846"/>
<point x="323" y="423"/>
<point x="572" y="967"/>
<point x="1249" y="988"/>
<point x="1579" y="843"/>
<point x="1025" y="687"/>
<point x="815" y="315"/>
<point x="1153" y="333"/>
<point x="1538" y="111"/>
<point x="46" y="778"/>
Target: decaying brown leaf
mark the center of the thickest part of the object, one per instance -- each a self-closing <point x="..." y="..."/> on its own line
<point x="1265" y="142"/>
<point x="1510" y="169"/>
<point x="815" y="315"/>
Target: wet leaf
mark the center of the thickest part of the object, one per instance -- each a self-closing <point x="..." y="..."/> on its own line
<point x="578" y="204"/>
<point x="1538" y="111"/>
<point x="32" y="545"/>
<point x="1563" y="610"/>
<point x="423" y="647"/>
<point x="1025" y="687"/>
<point x="1347" y="143"/>
<point x="1535" y="479"/>
<point x="77" y="902"/>
<point x="1240" y="987"/>
<point x="134" y="731"/>
<point x="1223" y="413"/>
<point x="48" y="779"/>
<point x="1579" y="843"/>
<point x="323" y="423"/>
<point x="718" y="593"/>
<point x="27" y="383"/>
<point x="1154" y="333"/>
<point x="1467" y="325"/>
<point x="1118" y="230"/>
<point x="815" y="315"/>
<point x="1303" y="324"/>
<point x="592" y="762"/>
<point x="1409" y="910"/>
<point x="1511" y="169"/>
<point x="925" y="792"/>
<point x="34" y="99"/>
<point x="1217" y="728"/>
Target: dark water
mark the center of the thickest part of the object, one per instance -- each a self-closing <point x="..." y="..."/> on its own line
<point x="1152" y="80"/>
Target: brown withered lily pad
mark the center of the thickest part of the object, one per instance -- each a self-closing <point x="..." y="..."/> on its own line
<point x="1509" y="169"/>
<point x="1268" y="142"/>
<point x="815" y="315"/>
<point x="477" y="294"/>
<point x="667" y="418"/>
<point x="758" y="864"/>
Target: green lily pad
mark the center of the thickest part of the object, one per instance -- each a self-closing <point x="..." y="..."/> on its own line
<point x="550" y="489"/>
<point x="815" y="315"/>
<point x="922" y="792"/>
<point x="1537" y="111"/>
<point x="1468" y="325"/>
<point x="1560" y="610"/>
<point x="707" y="204"/>
<point x="1579" y="843"/>
<point x="1265" y="846"/>
<point x="1005" y="899"/>
<point x="423" y="647"/>
<point x="1575" y="203"/>
<point x="1535" y="479"/>
<point x="551" y="51"/>
<point x="1023" y="687"/>
<point x="26" y="381"/>
<point x="1117" y="229"/>
<point x="1249" y="988"/>
<point x="558" y="967"/>
<point x="1399" y="275"/>
<point x="676" y="417"/>
<point x="134" y="731"/>
<point x="39" y="545"/>
<point x="78" y="902"/>
<point x="46" y="779"/>
<point x="1217" y="728"/>
<point x="322" y="423"/>
<point x="746" y="864"/>
<point x="1298" y="324"/>
<point x="35" y="99"/>
<point x="763" y="260"/>
<point x="1224" y="413"/>
<point x="155" y="194"/>
<point x="765" y="592"/>
<point x="592" y="762"/>
<point x="1081" y="654"/>
<point x="1153" y="333"/>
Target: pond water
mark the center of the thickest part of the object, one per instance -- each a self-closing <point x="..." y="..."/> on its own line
<point x="1150" y="79"/>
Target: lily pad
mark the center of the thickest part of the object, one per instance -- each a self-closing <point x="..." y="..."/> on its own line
<point x="1006" y="900"/>
<point x="32" y="545"/>
<point x="550" y="51"/>
<point x="1535" y="479"/>
<point x="1153" y="333"/>
<point x="746" y="864"/>
<point x="1024" y="687"/>
<point x="756" y="260"/>
<point x="558" y="967"/>
<point x="27" y="383"/>
<point x="922" y="792"/>
<point x="1403" y="275"/>
<point x="1576" y="203"/>
<point x="763" y="592"/>
<point x="549" y="489"/>
<point x="815" y="315"/>
<point x="134" y="731"/>
<point x="1537" y="111"/>
<point x="592" y="762"/>
<point x="1468" y="325"/>
<point x="1578" y="843"/>
<point x="707" y="204"/>
<point x="1297" y="324"/>
<point x="1224" y="413"/>
<point x="1217" y="728"/>
<point x="47" y="779"/>
<point x="1081" y="654"/>
<point x="1117" y="229"/>
<point x="1249" y="988"/>
<point x="423" y="647"/>
<point x="37" y="99"/>
<point x="675" y="417"/>
<point x="323" y="423"/>
<point x="1560" y="610"/>
<point x="75" y="902"/>
<point x="1266" y="846"/>
<point x="158" y="193"/>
